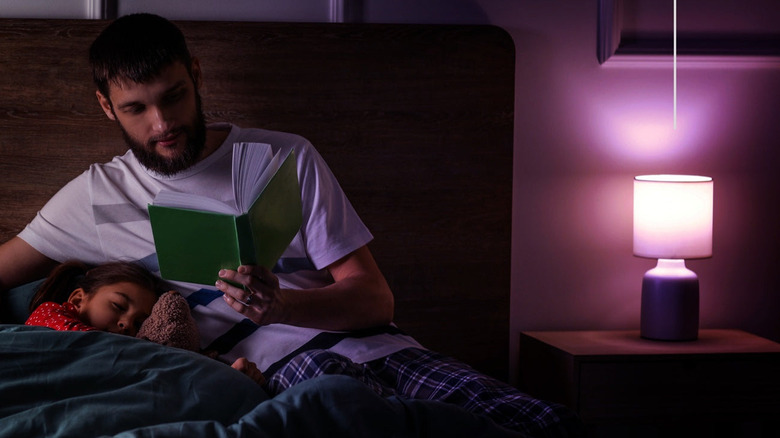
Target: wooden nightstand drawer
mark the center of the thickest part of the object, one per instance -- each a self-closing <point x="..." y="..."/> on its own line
<point x="616" y="377"/>
<point x="681" y="387"/>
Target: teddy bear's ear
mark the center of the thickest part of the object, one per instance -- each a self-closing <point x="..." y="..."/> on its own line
<point x="171" y="323"/>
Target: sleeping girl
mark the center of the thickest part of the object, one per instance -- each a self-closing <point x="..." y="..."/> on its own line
<point x="115" y="297"/>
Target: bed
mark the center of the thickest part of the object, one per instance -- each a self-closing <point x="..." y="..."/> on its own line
<point x="416" y="121"/>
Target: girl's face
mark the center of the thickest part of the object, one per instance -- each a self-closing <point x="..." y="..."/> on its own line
<point x="116" y="308"/>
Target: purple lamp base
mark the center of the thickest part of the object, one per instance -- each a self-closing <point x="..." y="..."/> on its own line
<point x="670" y="302"/>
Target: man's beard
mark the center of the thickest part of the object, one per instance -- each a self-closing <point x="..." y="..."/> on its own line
<point x="195" y="143"/>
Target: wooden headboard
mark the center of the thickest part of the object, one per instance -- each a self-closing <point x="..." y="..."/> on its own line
<point x="414" y="120"/>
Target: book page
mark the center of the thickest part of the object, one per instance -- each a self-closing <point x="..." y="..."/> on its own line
<point x="253" y="168"/>
<point x="168" y="198"/>
<point x="251" y="164"/>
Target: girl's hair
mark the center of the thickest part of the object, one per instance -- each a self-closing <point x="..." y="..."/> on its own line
<point x="71" y="275"/>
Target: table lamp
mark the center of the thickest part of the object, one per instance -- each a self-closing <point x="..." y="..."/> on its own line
<point x="672" y="222"/>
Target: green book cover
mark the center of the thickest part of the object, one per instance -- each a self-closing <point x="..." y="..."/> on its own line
<point x="193" y="244"/>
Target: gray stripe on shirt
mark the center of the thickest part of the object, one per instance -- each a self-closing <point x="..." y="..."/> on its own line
<point x="117" y="214"/>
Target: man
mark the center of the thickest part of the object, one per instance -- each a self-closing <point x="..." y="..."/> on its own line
<point x="147" y="82"/>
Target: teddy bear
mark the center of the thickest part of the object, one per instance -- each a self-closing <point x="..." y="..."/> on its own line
<point x="171" y="323"/>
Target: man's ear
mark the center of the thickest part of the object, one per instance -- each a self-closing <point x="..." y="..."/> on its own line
<point x="77" y="297"/>
<point x="105" y="103"/>
<point x="197" y="76"/>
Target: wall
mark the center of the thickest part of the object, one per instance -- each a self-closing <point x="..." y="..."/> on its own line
<point x="49" y="9"/>
<point x="583" y="131"/>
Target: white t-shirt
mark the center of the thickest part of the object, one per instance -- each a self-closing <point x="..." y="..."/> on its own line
<point x="102" y="215"/>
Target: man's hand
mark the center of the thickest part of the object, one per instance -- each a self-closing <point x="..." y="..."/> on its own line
<point x="358" y="298"/>
<point x="260" y="300"/>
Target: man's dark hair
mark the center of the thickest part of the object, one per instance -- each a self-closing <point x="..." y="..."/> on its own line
<point x="136" y="47"/>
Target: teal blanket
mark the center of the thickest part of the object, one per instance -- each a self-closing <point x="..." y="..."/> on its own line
<point x="95" y="384"/>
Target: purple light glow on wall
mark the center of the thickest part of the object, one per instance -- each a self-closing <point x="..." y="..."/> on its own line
<point x="645" y="134"/>
<point x="638" y="125"/>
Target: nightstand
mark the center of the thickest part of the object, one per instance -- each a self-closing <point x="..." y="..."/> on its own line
<point x="727" y="379"/>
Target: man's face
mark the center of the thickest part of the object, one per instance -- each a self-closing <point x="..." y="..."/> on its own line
<point x="161" y="120"/>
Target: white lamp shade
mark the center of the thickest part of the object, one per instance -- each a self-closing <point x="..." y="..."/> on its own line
<point x="673" y="216"/>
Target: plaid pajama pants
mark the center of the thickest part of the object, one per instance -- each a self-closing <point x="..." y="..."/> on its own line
<point x="420" y="374"/>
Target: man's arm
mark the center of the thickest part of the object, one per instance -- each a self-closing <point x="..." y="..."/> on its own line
<point x="358" y="298"/>
<point x="20" y="263"/>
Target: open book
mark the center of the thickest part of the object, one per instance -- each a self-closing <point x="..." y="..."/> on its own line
<point x="196" y="236"/>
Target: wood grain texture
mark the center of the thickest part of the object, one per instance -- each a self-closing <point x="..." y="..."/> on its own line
<point x="724" y="380"/>
<point x="414" y="120"/>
